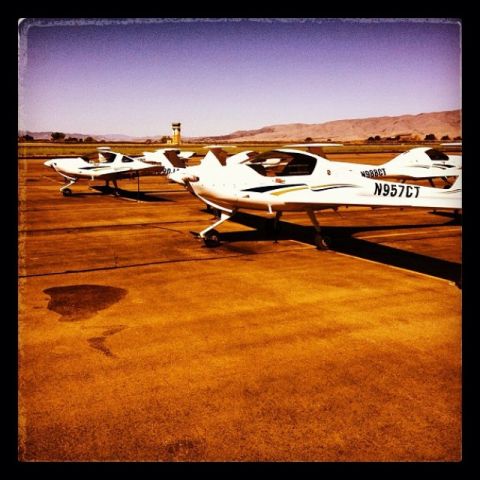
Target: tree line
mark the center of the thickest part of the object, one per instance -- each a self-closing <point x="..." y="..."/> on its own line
<point x="61" y="137"/>
<point x="428" y="138"/>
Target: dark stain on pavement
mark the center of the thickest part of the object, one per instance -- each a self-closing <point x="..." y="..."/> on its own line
<point x="99" y="342"/>
<point x="79" y="302"/>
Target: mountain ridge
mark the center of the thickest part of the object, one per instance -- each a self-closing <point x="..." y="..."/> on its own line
<point x="414" y="125"/>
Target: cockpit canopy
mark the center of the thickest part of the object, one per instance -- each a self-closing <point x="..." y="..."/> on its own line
<point x="280" y="163"/>
<point x="105" y="157"/>
<point x="436" y="155"/>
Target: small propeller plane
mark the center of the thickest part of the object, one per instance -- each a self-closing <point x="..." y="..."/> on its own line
<point x="104" y="164"/>
<point x="292" y="180"/>
<point x="419" y="163"/>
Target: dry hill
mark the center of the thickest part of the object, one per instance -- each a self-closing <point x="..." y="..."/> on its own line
<point x="438" y="123"/>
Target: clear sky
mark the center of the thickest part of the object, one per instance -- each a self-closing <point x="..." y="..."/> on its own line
<point x="136" y="77"/>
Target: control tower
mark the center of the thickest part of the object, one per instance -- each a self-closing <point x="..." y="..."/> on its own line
<point x="176" y="139"/>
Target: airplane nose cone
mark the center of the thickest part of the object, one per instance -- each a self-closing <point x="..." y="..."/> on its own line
<point x="49" y="163"/>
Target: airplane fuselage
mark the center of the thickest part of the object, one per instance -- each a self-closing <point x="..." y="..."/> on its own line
<point x="240" y="187"/>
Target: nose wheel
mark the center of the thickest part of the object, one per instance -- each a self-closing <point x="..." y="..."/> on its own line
<point x="211" y="239"/>
<point x="65" y="190"/>
<point x="210" y="236"/>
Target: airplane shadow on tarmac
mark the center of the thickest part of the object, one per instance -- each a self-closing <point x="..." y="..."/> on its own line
<point x="144" y="196"/>
<point x="343" y="240"/>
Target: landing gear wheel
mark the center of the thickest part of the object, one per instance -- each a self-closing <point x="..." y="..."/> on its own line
<point x="116" y="193"/>
<point x="66" y="192"/>
<point x="212" y="239"/>
<point x="322" y="243"/>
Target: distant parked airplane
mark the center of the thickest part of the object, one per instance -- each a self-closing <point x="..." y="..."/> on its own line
<point x="104" y="164"/>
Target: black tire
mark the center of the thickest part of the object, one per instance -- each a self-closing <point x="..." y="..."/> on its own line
<point x="212" y="239"/>
<point x="66" y="192"/>
<point x="322" y="243"/>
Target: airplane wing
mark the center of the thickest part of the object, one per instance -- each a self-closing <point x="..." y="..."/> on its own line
<point x="124" y="172"/>
<point x="347" y="191"/>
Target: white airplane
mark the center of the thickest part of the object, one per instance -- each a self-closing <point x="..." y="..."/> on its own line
<point x="419" y="163"/>
<point x="101" y="165"/>
<point x="292" y="180"/>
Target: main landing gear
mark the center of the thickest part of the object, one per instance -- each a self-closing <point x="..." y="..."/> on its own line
<point x="211" y="237"/>
<point x="321" y="242"/>
<point x="107" y="189"/>
<point x="115" y="186"/>
<point x="272" y="226"/>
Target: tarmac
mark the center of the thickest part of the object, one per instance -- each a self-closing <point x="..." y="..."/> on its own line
<point x="138" y="343"/>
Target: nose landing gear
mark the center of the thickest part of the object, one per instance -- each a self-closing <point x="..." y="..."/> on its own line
<point x="210" y="236"/>
<point x="211" y="239"/>
<point x="65" y="190"/>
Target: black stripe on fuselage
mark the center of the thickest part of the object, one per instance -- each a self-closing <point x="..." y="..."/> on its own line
<point x="97" y="166"/>
<point x="268" y="188"/>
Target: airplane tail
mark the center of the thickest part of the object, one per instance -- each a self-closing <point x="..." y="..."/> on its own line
<point x="174" y="159"/>
<point x="213" y="159"/>
<point x="421" y="158"/>
<point x="166" y="157"/>
<point x="409" y="158"/>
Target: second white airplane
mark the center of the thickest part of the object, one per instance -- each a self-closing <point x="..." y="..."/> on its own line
<point x="291" y="180"/>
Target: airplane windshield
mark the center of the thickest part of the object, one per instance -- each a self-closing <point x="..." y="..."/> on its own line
<point x="436" y="155"/>
<point x="100" y="157"/>
<point x="281" y="164"/>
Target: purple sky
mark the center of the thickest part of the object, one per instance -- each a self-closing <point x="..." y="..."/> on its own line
<point x="136" y="77"/>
